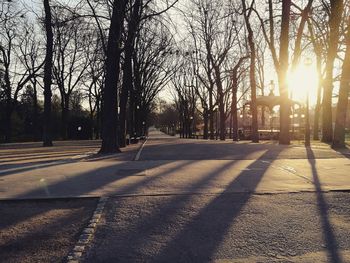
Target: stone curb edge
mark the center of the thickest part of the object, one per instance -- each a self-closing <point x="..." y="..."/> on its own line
<point x="88" y="233"/>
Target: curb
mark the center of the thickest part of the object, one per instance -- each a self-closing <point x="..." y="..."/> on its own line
<point x="88" y="233"/>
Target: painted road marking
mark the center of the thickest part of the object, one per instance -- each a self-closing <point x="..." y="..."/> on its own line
<point x="137" y="157"/>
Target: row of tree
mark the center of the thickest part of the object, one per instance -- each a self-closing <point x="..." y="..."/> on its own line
<point x="119" y="54"/>
<point x="228" y="48"/>
<point x="110" y="54"/>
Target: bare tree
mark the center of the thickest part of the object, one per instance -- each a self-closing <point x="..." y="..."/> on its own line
<point x="31" y="58"/>
<point x="281" y="58"/>
<point x="127" y="90"/>
<point x="186" y="99"/>
<point x="47" y="137"/>
<point x="95" y="74"/>
<point x="109" y="97"/>
<point x="153" y="68"/>
<point x="236" y="74"/>
<point x="318" y="38"/>
<point x="14" y="80"/>
<point x="71" y="49"/>
<point x="213" y="33"/>
<point x="253" y="105"/>
<point x="340" y="121"/>
<point x="335" y="15"/>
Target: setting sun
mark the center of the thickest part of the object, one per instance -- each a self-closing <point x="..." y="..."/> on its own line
<point x="303" y="79"/>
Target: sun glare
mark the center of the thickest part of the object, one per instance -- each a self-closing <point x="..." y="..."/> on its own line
<point x="302" y="80"/>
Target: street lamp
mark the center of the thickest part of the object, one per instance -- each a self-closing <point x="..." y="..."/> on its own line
<point x="144" y="128"/>
<point x="191" y="122"/>
<point x="307" y="63"/>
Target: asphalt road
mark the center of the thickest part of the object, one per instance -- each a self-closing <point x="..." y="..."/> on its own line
<point x="225" y="202"/>
<point x="181" y="201"/>
<point x="41" y="230"/>
<point x="300" y="227"/>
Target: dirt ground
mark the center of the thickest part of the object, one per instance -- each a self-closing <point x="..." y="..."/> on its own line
<point x="42" y="230"/>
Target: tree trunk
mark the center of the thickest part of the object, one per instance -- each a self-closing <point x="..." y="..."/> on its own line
<point x="8" y="100"/>
<point x="340" y="121"/>
<point x="220" y="93"/>
<point x="334" y="23"/>
<point x="36" y="131"/>
<point x="211" y="117"/>
<point x="318" y="102"/>
<point x="284" y="136"/>
<point x="125" y="92"/>
<point x="222" y="118"/>
<point x="127" y="86"/>
<point x="253" y="105"/>
<point x="122" y="114"/>
<point x="206" y="120"/>
<point x="317" y="119"/>
<point x="47" y="132"/>
<point x="64" y="116"/>
<point x="98" y="120"/>
<point x="110" y="111"/>
<point x="234" y="114"/>
<point x="132" y="110"/>
<point x="263" y="110"/>
<point x="318" y="53"/>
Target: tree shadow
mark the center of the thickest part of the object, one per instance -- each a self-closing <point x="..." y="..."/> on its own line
<point x="345" y="151"/>
<point x="84" y="183"/>
<point x="57" y="224"/>
<point x="38" y="144"/>
<point x="19" y="160"/>
<point x="23" y="165"/>
<point x="328" y="231"/>
<point x="191" y="149"/>
<point x="216" y="217"/>
<point x="199" y="239"/>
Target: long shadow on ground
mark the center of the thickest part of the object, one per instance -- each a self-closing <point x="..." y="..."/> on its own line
<point x="84" y="183"/>
<point x="46" y="230"/>
<point x="199" y="239"/>
<point x="328" y="231"/>
<point x="217" y="150"/>
<point x="217" y="216"/>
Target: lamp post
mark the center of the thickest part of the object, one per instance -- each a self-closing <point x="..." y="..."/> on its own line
<point x="79" y="128"/>
<point x="143" y="128"/>
<point x="307" y="63"/>
<point x="191" y="120"/>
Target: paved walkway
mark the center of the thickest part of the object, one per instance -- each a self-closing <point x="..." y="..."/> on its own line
<point x="170" y="165"/>
<point x="195" y="200"/>
<point x="229" y="227"/>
